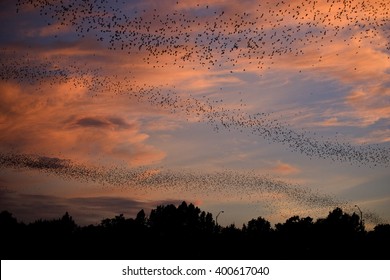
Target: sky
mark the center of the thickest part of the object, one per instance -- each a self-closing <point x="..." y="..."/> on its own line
<point x="254" y="108"/>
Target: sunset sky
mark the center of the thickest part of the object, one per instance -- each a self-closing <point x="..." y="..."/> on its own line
<point x="257" y="108"/>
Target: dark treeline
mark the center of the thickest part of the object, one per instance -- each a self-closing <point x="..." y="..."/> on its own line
<point x="187" y="232"/>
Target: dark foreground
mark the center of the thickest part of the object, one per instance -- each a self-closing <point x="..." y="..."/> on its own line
<point x="186" y="232"/>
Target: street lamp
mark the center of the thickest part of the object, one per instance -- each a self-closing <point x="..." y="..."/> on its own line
<point x="361" y="216"/>
<point x="216" y="218"/>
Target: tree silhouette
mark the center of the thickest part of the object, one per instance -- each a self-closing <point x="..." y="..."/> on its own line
<point x="296" y="237"/>
<point x="7" y="222"/>
<point x="378" y="241"/>
<point x="340" y="233"/>
<point x="257" y="235"/>
<point x="182" y="229"/>
<point x="186" y="232"/>
<point x="141" y="217"/>
<point x="257" y="227"/>
<point x="10" y="233"/>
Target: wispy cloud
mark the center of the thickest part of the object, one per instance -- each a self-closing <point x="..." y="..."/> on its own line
<point x="376" y="136"/>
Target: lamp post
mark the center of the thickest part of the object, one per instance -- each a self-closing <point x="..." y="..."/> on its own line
<point x="216" y="218"/>
<point x="361" y="217"/>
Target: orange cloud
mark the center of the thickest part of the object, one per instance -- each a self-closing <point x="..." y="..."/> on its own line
<point x="282" y="168"/>
<point x="331" y="122"/>
<point x="52" y="122"/>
